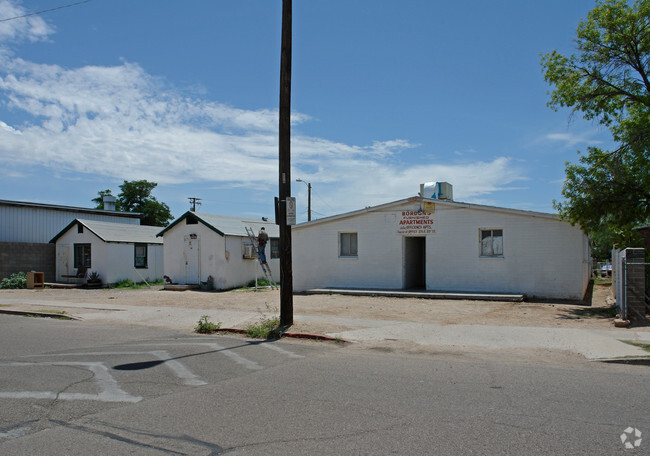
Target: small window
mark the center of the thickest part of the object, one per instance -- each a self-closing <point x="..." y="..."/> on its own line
<point x="275" y="248"/>
<point x="82" y="256"/>
<point x="189" y="220"/>
<point x="348" y="245"/>
<point x="80" y="228"/>
<point x="141" y="255"/>
<point x="492" y="243"/>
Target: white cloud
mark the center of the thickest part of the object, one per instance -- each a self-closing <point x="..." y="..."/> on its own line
<point x="571" y="139"/>
<point x="32" y="28"/>
<point x="122" y="123"/>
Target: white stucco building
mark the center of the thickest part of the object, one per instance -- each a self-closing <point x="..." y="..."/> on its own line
<point x="115" y="251"/>
<point x="442" y="245"/>
<point x="199" y="245"/>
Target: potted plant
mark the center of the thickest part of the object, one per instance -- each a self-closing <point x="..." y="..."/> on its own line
<point x="94" y="281"/>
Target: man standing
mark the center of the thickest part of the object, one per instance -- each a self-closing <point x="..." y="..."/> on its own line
<point x="262" y="239"/>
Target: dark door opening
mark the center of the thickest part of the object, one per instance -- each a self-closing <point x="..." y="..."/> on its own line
<point x="414" y="263"/>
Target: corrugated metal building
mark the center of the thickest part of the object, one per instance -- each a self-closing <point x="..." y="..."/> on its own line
<point x="34" y="222"/>
<point x="26" y="229"/>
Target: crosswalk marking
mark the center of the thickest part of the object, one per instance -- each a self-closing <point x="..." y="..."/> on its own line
<point x="109" y="388"/>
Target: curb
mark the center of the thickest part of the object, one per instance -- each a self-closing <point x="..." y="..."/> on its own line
<point x="640" y="361"/>
<point x="40" y="314"/>
<point x="291" y="335"/>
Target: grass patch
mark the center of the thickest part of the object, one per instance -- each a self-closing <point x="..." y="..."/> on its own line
<point x="48" y="314"/>
<point x="267" y="328"/>
<point x="260" y="284"/>
<point x="205" y="326"/>
<point x="57" y="312"/>
<point x="646" y="347"/>
<point x="130" y="285"/>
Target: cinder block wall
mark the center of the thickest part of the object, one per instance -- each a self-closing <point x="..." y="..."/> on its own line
<point x="27" y="256"/>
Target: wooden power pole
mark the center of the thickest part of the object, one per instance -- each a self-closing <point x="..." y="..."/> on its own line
<point x="286" y="273"/>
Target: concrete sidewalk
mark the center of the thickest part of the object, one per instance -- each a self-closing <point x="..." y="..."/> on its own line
<point x="592" y="344"/>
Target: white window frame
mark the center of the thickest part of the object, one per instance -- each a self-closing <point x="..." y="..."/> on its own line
<point x="342" y="242"/>
<point x="494" y="243"/>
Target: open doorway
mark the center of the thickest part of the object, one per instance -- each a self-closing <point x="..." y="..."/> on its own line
<point x="414" y="263"/>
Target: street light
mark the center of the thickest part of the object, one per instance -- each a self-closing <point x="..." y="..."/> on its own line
<point x="308" y="198"/>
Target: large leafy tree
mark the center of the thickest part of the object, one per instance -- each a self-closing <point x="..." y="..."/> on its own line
<point x="608" y="81"/>
<point x="135" y="196"/>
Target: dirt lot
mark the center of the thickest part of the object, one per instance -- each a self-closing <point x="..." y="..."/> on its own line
<point x="596" y="316"/>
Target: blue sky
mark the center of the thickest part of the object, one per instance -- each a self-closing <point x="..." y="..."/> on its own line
<point x="385" y="95"/>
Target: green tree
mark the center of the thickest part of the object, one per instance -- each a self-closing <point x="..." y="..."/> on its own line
<point x="608" y="81"/>
<point x="135" y="196"/>
<point x="99" y="201"/>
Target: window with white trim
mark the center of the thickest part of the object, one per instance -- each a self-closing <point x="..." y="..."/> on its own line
<point x="492" y="243"/>
<point x="348" y="245"/>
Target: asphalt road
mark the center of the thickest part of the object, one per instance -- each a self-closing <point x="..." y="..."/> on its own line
<point x="72" y="388"/>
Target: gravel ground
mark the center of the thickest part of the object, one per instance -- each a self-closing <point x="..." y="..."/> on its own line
<point x="267" y="302"/>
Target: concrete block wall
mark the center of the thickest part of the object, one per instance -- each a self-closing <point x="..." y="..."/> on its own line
<point x="27" y="256"/>
<point x="635" y="282"/>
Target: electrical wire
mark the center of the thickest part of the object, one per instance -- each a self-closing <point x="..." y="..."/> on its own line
<point x="44" y="11"/>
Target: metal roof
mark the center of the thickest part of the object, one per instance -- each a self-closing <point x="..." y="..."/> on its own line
<point x="70" y="208"/>
<point x="117" y="232"/>
<point x="225" y="225"/>
<point x="456" y="204"/>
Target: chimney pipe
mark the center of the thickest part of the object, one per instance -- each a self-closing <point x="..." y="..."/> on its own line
<point x="109" y="202"/>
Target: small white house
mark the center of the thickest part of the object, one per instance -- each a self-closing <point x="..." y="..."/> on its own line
<point x="198" y="246"/>
<point x="115" y="251"/>
<point x="441" y="245"/>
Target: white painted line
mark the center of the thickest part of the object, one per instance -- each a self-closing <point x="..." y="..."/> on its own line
<point x="179" y="369"/>
<point x="109" y="388"/>
<point x="272" y="346"/>
<point x="239" y="359"/>
<point x="188" y="377"/>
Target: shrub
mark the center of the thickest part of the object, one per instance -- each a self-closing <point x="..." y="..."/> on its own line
<point x="268" y="328"/>
<point x="17" y="280"/>
<point x="204" y="326"/>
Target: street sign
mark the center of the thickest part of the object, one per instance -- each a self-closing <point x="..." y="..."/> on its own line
<point x="291" y="210"/>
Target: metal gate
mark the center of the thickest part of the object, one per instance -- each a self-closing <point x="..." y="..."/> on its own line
<point x="631" y="278"/>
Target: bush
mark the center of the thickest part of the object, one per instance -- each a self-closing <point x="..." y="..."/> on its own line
<point x="205" y="326"/>
<point x="17" y="280"/>
<point x="268" y="328"/>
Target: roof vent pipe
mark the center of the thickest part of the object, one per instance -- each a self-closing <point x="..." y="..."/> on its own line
<point x="109" y="202"/>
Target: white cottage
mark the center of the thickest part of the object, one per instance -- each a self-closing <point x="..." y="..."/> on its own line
<point x="115" y="251"/>
<point x="442" y="245"/>
<point x="198" y="246"/>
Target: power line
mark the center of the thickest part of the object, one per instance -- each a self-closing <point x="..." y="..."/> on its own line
<point x="44" y="11"/>
<point x="194" y="201"/>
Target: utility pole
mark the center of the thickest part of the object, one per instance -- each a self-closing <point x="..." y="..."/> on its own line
<point x="308" y="198"/>
<point x="194" y="202"/>
<point x="286" y="273"/>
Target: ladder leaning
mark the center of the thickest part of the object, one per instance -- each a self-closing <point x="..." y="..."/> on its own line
<point x="265" y="267"/>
